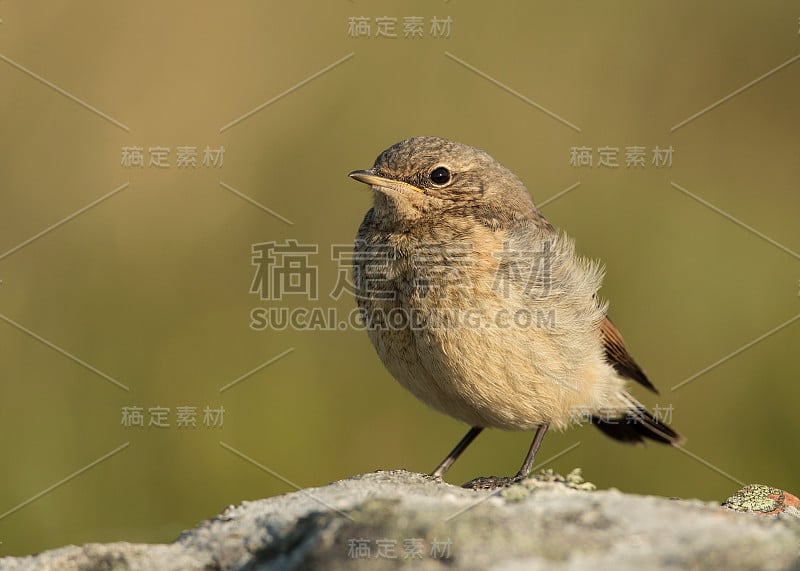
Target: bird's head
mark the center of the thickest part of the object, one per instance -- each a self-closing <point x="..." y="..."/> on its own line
<point x="426" y="176"/>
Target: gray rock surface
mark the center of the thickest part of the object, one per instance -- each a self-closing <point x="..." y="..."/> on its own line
<point x="392" y="520"/>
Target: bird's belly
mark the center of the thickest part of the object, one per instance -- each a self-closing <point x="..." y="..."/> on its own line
<point x="491" y="365"/>
<point x="488" y="353"/>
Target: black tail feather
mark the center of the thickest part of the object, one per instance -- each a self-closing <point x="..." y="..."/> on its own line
<point x="635" y="426"/>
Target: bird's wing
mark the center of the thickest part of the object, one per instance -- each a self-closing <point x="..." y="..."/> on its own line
<point x="618" y="356"/>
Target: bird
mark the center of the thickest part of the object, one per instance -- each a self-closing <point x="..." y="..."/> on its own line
<point x="483" y="310"/>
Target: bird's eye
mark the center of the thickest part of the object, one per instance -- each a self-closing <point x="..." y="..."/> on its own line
<point x="440" y="176"/>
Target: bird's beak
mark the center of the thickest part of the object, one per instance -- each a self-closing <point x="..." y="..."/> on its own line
<point x="369" y="177"/>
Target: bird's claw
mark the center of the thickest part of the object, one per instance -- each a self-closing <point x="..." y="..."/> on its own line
<point x="492" y="482"/>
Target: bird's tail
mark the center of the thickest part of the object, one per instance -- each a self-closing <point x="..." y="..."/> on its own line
<point x="635" y="424"/>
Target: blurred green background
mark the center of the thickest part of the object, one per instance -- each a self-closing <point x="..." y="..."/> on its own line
<point x="151" y="286"/>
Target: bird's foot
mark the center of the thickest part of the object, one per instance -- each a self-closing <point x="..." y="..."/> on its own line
<point x="492" y="482"/>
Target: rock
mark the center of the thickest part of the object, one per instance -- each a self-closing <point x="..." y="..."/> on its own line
<point x="397" y="519"/>
<point x="761" y="499"/>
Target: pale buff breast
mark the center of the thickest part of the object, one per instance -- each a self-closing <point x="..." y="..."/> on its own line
<point x="485" y="354"/>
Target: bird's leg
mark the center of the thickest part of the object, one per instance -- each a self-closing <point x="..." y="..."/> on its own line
<point x="492" y="482"/>
<point x="445" y="464"/>
<point x="525" y="469"/>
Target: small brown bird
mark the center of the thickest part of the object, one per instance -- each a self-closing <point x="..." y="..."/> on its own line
<point x="481" y="309"/>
